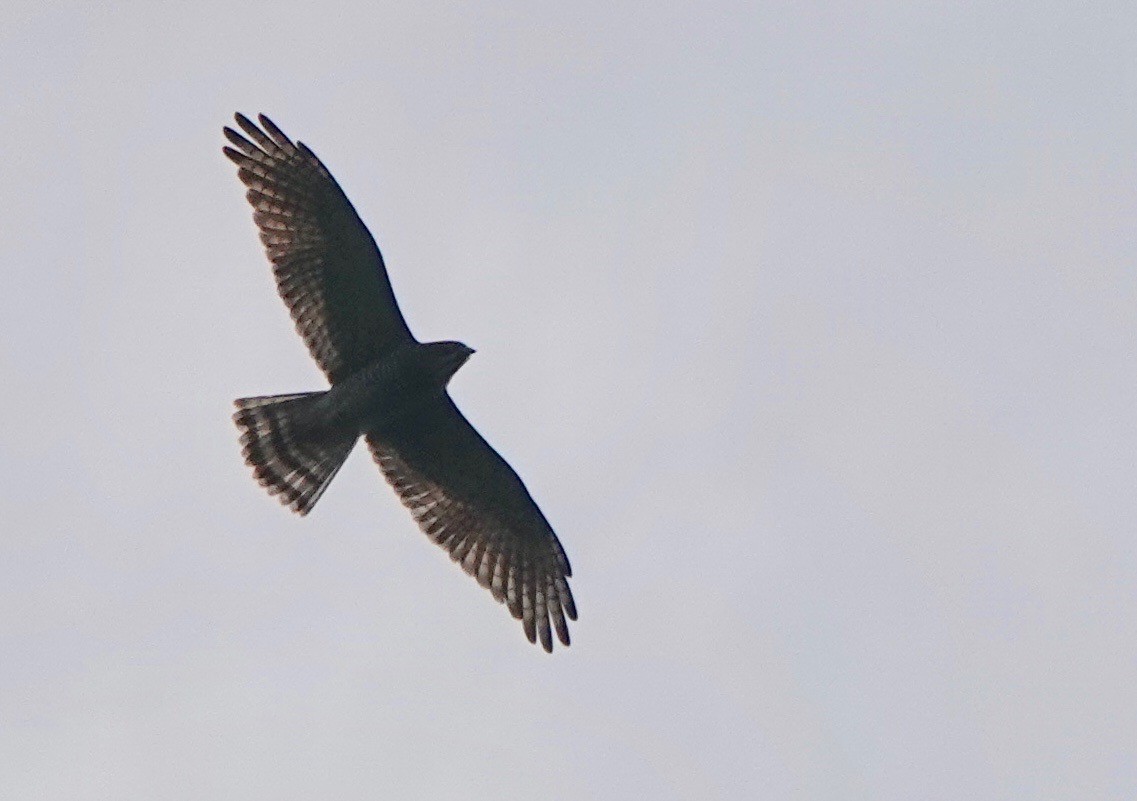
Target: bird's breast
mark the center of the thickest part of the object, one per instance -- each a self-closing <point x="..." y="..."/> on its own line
<point x="378" y="394"/>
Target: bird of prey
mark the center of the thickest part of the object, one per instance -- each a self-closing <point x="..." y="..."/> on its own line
<point x="387" y="387"/>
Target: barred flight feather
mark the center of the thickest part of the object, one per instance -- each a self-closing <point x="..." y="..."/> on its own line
<point x="525" y="573"/>
<point x="327" y="267"/>
<point x="290" y="457"/>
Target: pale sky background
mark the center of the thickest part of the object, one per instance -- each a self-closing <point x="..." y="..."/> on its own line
<point x="811" y="327"/>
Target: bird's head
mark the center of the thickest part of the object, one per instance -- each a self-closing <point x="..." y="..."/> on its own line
<point x="444" y="358"/>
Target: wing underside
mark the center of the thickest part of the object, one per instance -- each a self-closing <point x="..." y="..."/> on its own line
<point x="327" y="266"/>
<point x="468" y="500"/>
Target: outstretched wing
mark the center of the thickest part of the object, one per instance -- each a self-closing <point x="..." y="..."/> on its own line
<point x="469" y="500"/>
<point x="328" y="268"/>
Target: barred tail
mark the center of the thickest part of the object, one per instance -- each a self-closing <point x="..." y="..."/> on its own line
<point x="291" y="454"/>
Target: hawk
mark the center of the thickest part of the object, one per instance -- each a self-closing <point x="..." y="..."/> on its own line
<point x="386" y="387"/>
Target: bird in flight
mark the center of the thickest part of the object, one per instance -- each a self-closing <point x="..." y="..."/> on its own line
<point x="387" y="387"/>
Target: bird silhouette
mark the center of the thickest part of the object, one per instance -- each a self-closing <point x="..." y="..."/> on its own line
<point x="386" y="387"/>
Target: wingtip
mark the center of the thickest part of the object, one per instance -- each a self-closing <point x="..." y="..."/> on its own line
<point x="274" y="131"/>
<point x="248" y="126"/>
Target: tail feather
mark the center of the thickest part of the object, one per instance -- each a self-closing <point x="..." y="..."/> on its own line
<point x="291" y="454"/>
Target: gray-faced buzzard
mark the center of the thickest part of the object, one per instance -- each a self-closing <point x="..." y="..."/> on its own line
<point x="385" y="386"/>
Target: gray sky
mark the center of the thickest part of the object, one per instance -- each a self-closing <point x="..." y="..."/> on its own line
<point x="811" y="328"/>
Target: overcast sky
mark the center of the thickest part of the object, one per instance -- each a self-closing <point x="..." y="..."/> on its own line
<point x="810" y="326"/>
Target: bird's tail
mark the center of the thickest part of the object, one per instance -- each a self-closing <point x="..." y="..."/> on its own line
<point x="293" y="452"/>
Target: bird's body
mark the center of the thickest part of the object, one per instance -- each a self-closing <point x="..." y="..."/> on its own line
<point x="385" y="386"/>
<point x="380" y="395"/>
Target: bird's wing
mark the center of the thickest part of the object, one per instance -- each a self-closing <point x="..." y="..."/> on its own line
<point x="468" y="499"/>
<point x="328" y="268"/>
